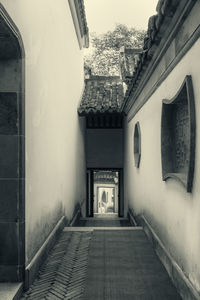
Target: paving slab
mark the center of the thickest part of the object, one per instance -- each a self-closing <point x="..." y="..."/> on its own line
<point x="123" y="265"/>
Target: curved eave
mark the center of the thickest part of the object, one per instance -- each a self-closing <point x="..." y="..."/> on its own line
<point x="92" y="111"/>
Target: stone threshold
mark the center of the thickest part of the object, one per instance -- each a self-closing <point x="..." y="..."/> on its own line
<point x="11" y="291"/>
<point x="101" y="228"/>
<point x="99" y="218"/>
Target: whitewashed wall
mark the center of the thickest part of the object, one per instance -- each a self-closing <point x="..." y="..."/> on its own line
<point x="173" y="213"/>
<point x="55" y="159"/>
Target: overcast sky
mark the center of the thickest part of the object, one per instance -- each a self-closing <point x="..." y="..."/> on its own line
<point x="102" y="15"/>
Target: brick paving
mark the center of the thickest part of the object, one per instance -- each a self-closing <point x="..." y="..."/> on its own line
<point x="102" y="264"/>
<point x="63" y="274"/>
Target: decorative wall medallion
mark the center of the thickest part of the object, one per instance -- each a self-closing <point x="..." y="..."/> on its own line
<point x="137" y="144"/>
<point x="178" y="135"/>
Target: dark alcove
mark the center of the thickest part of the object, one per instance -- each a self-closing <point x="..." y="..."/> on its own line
<point x="137" y="145"/>
<point x="178" y="135"/>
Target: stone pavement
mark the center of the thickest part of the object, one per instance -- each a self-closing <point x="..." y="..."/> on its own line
<point x="102" y="264"/>
<point x="63" y="274"/>
<point x="122" y="265"/>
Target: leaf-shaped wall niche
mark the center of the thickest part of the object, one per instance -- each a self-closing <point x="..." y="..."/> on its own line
<point x="178" y="135"/>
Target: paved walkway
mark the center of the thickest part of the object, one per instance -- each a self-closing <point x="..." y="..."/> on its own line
<point x="102" y="264"/>
<point x="122" y="265"/>
<point x="63" y="274"/>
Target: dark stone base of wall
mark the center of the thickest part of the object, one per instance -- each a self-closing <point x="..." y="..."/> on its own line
<point x="11" y="273"/>
<point x="76" y="215"/>
<point x="183" y="285"/>
<point x="131" y="218"/>
<point x="12" y="252"/>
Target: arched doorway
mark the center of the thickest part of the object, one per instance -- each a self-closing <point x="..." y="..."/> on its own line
<point x="12" y="154"/>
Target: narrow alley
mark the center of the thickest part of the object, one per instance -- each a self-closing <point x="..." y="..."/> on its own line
<point x="99" y="150"/>
<point x="105" y="258"/>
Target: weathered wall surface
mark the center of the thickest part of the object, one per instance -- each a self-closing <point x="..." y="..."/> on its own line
<point x="55" y="167"/>
<point x="104" y="148"/>
<point x="173" y="213"/>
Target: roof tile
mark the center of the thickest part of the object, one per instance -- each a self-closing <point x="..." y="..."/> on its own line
<point x="102" y="94"/>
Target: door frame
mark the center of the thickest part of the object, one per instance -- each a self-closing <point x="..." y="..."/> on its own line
<point x="90" y="191"/>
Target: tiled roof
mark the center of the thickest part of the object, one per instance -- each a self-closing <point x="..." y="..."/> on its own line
<point x="128" y="60"/>
<point x="105" y="94"/>
<point x="102" y="94"/>
<point x="156" y="28"/>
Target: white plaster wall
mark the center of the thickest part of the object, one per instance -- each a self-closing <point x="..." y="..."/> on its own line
<point x="55" y="161"/>
<point x="173" y="213"/>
